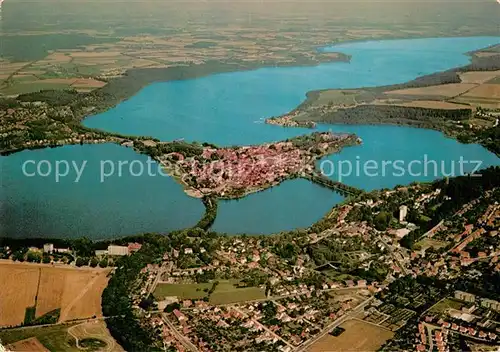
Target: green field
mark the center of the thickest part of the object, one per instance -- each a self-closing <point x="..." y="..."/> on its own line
<point x="447" y="303"/>
<point x="431" y="243"/>
<point x="234" y="295"/>
<point x="34" y="86"/>
<point x="54" y="338"/>
<point x="337" y="97"/>
<point x="225" y="292"/>
<point x="183" y="291"/>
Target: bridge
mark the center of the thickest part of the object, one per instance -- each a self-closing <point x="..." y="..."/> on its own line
<point x="334" y="185"/>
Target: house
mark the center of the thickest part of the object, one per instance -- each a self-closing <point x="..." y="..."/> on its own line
<point x="349" y="283"/>
<point x="179" y="315"/>
<point x="464" y="296"/>
<point x="490" y="304"/>
<point x="361" y="283"/>
<point x="134" y="247"/>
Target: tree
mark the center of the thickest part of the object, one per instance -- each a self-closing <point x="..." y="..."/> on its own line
<point x="103" y="263"/>
<point x="382" y="220"/>
<point x="34" y="257"/>
<point x="83" y="247"/>
<point x="81" y="261"/>
<point x="93" y="262"/>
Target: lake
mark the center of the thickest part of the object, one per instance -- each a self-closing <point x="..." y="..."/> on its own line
<point x="229" y="109"/>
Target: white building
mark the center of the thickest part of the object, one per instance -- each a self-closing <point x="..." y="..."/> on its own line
<point x="403" y="211"/>
<point x="117" y="250"/>
<point x="48" y="248"/>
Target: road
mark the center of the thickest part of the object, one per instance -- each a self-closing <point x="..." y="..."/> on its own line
<point x="163" y="269"/>
<point x="305" y="346"/>
<point x="391" y="251"/>
<point x="182" y="339"/>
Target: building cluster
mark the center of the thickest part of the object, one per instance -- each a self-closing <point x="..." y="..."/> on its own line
<point x="231" y="172"/>
<point x="474" y="318"/>
<point x="286" y="323"/>
<point x="36" y="124"/>
<point x="115" y="250"/>
<point x="479" y="241"/>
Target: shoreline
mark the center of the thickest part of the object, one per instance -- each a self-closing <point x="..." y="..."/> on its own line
<point x="105" y="105"/>
<point x="101" y="100"/>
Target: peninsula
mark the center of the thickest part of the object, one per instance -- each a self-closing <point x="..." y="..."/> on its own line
<point x="461" y="102"/>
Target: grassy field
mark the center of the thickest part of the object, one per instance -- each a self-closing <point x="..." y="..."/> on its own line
<point x="94" y="334"/>
<point x="183" y="291"/>
<point x="431" y="243"/>
<point x="339" y="97"/>
<point x="225" y="292"/>
<point x="447" y="303"/>
<point x="358" y="336"/>
<point x="60" y="338"/>
<point x="53" y="338"/>
<point x="31" y="344"/>
<point x="77" y="292"/>
<point x="232" y="295"/>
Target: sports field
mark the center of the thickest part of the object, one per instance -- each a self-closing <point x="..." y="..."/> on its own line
<point x="358" y="336"/>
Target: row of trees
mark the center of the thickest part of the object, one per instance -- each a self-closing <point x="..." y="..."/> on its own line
<point x="123" y="325"/>
<point x="208" y="218"/>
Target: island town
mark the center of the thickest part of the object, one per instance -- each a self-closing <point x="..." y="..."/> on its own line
<point x="237" y="171"/>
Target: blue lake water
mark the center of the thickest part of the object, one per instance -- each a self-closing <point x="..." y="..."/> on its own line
<point x="228" y="109"/>
<point x="292" y="204"/>
<point x="120" y="205"/>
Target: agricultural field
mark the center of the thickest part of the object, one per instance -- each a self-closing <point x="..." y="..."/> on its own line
<point x="161" y="34"/>
<point x="485" y="91"/>
<point x="433" y="104"/>
<point x="225" y="292"/>
<point x="28" y="345"/>
<point x="52" y="338"/>
<point x="73" y="293"/>
<point x="89" y="336"/>
<point x="358" y="336"/>
<point x="478" y="76"/>
<point x="443" y="90"/>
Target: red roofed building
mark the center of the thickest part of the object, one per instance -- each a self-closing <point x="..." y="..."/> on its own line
<point x="134" y="247"/>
